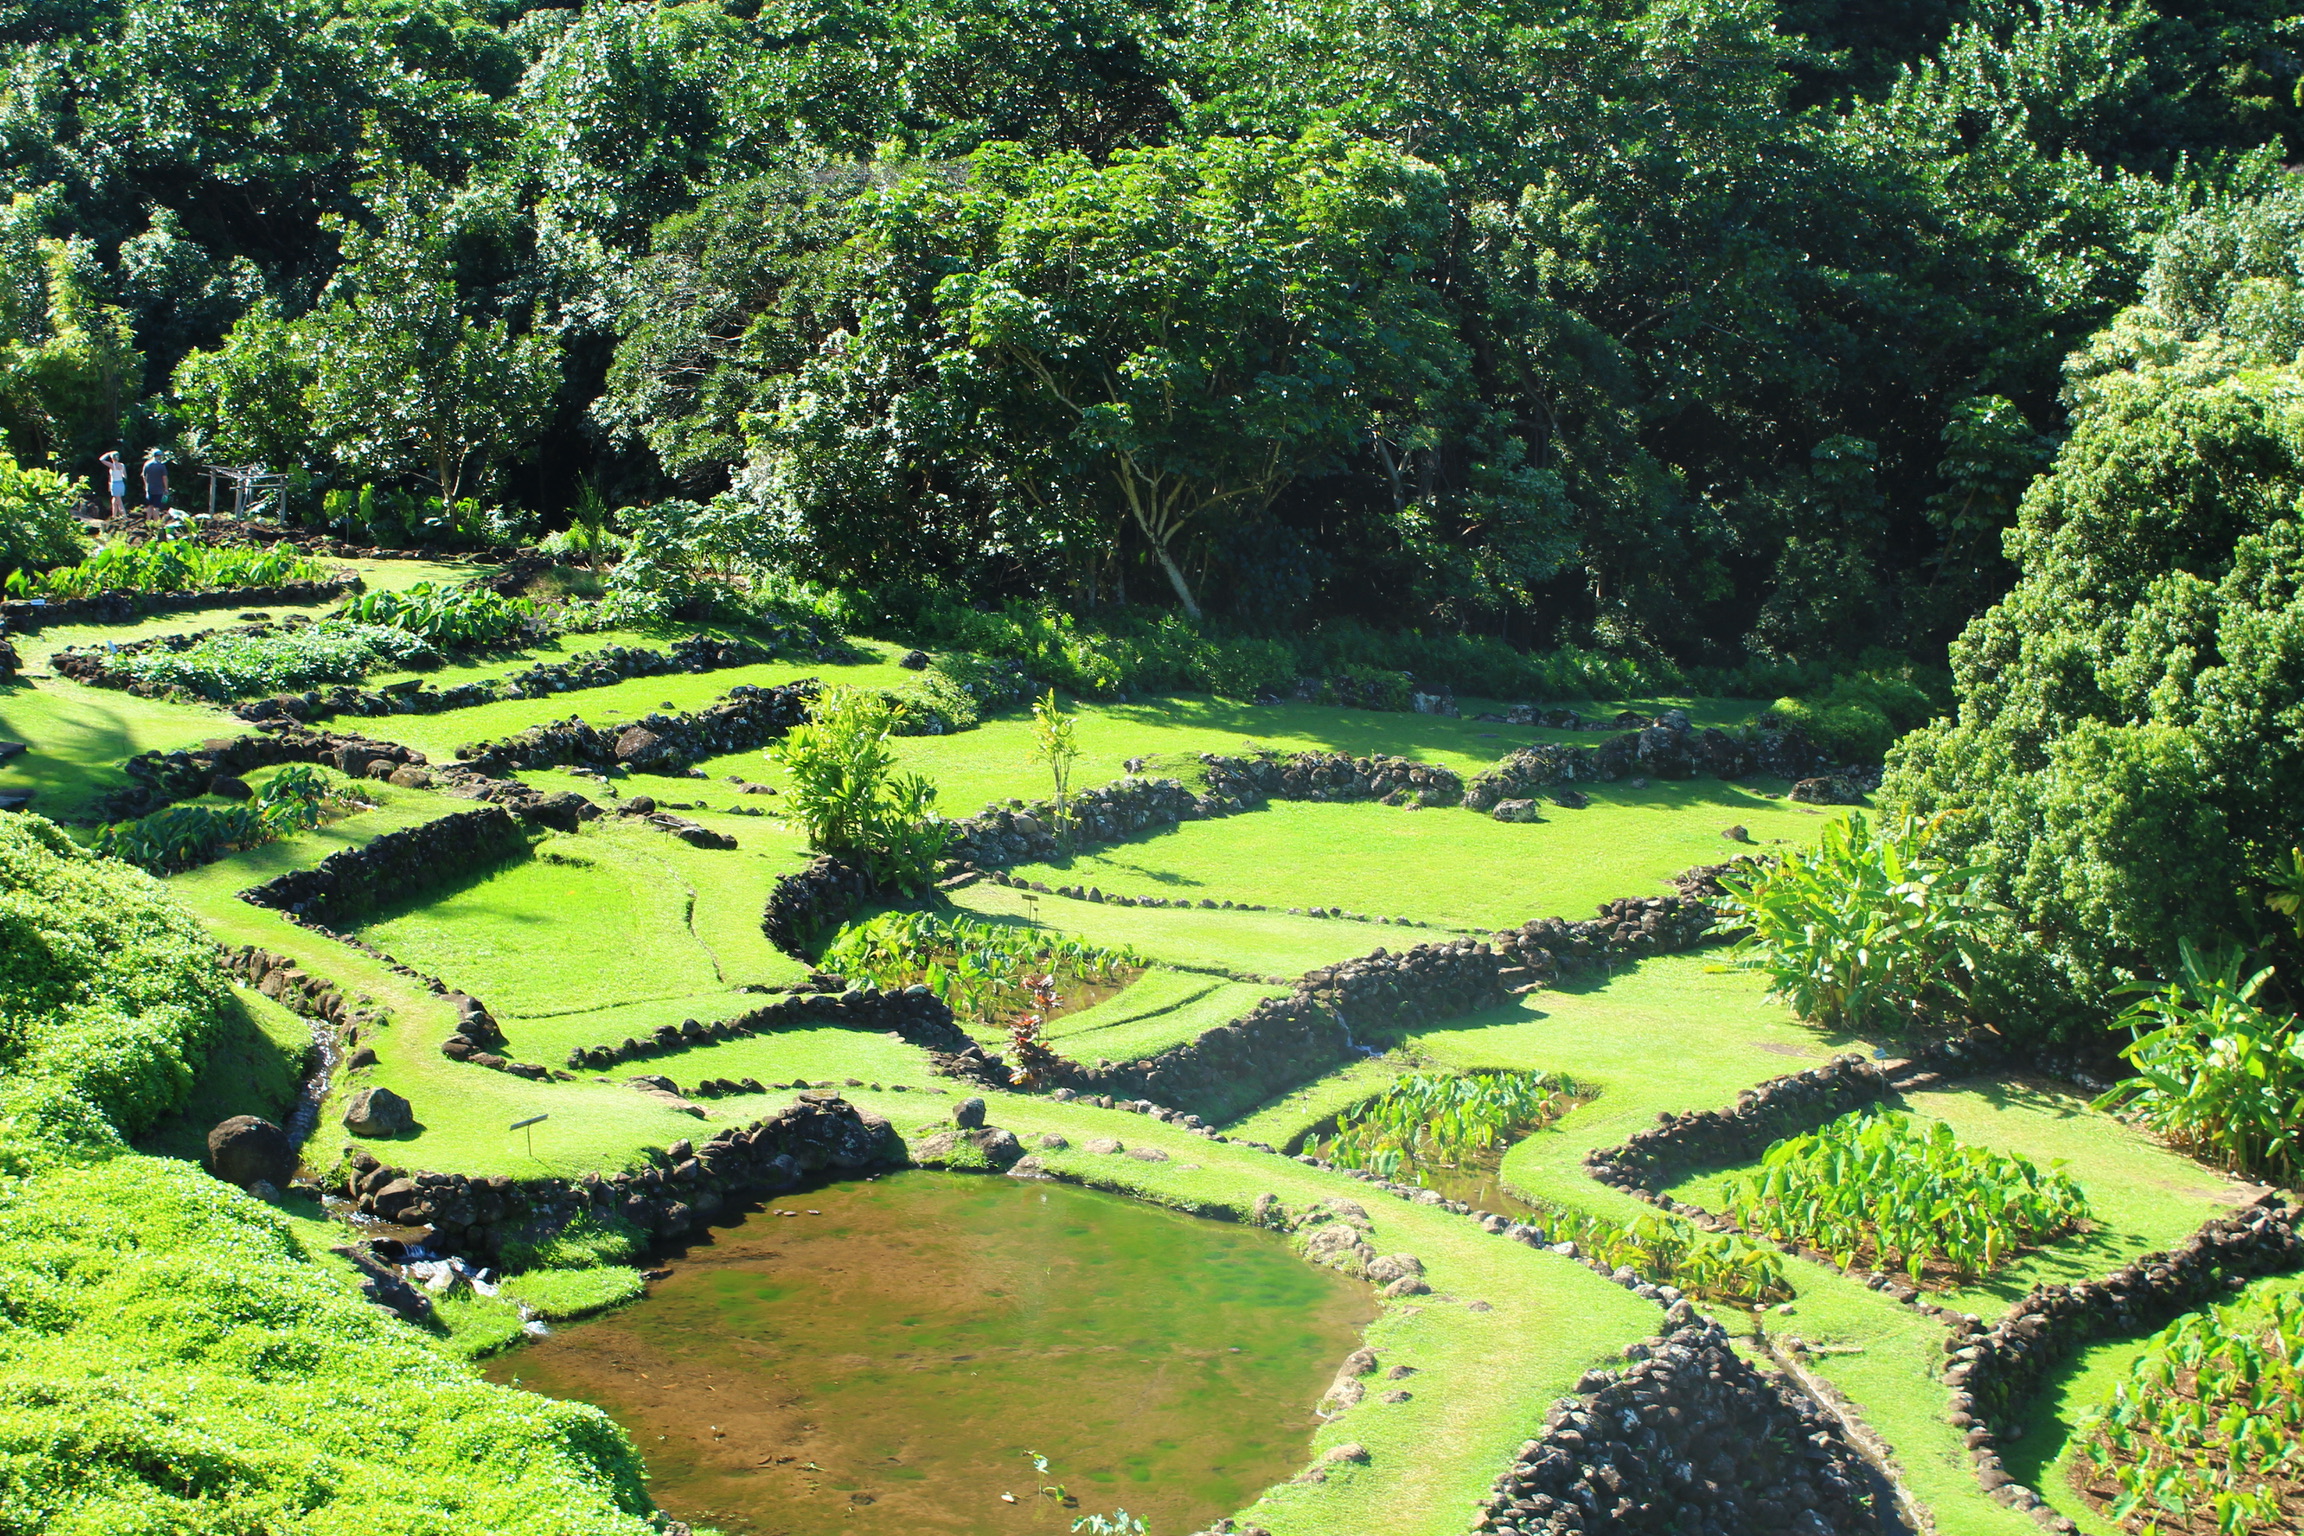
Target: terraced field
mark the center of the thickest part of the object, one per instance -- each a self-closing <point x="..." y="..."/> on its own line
<point x="622" y="930"/>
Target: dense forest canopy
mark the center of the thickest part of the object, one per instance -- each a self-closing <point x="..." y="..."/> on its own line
<point x="1712" y="329"/>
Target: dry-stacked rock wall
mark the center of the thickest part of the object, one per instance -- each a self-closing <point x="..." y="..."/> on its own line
<point x="1668" y="748"/>
<point x="805" y="908"/>
<point x="476" y="1217"/>
<point x="357" y="880"/>
<point x="24" y="616"/>
<point x="746" y="718"/>
<point x="913" y="1013"/>
<point x="1241" y="782"/>
<point x="1687" y="1438"/>
<point x="589" y="669"/>
<point x="1627" y="929"/>
<point x="1326" y="1020"/>
<point x="1994" y="1372"/>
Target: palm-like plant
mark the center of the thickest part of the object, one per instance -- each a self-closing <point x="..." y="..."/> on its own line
<point x="1865" y="930"/>
<point x="2215" y="1073"/>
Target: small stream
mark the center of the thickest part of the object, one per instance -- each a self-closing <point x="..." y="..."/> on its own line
<point x="886" y="1360"/>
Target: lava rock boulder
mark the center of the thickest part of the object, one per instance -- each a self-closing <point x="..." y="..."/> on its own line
<point x="378" y="1112"/>
<point x="246" y="1149"/>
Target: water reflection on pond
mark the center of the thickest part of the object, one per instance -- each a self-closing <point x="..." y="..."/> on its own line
<point x="888" y="1365"/>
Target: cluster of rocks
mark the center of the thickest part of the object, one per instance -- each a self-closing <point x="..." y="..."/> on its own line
<point x="1666" y="748"/>
<point x="26" y="616"/>
<point x="340" y="1022"/>
<point x="1995" y="1371"/>
<point x="479" y="1040"/>
<point x="158" y="779"/>
<point x="1556" y="718"/>
<point x="805" y="907"/>
<point x="589" y="669"/>
<point x="746" y="718"/>
<point x="1689" y="1438"/>
<point x="914" y="1015"/>
<point x="1782" y="1106"/>
<point x="354" y="880"/>
<point x="694" y="833"/>
<point x="1626" y="929"/>
<point x="1021" y="833"/>
<point x="1240" y="782"/>
<point x="475" y="1217"/>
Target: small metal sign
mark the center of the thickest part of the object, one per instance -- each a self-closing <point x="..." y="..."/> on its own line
<point x="529" y="1126"/>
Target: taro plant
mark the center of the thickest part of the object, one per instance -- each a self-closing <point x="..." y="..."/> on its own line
<point x="184" y="836"/>
<point x="237" y="664"/>
<point x="1905" y="1191"/>
<point x="2207" y="1430"/>
<point x="1865" y="931"/>
<point x="1718" y="1266"/>
<point x="169" y="565"/>
<point x="447" y="615"/>
<point x="2215" y="1073"/>
<point x="1444" y="1119"/>
<point x="847" y="797"/>
<point x="983" y="971"/>
<point x="1118" y="1523"/>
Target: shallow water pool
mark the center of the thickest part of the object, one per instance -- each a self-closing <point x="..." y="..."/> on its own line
<point x="891" y="1364"/>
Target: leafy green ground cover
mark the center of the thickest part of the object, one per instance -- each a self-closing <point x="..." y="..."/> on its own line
<point x="177" y="1356"/>
<point x="254" y="1067"/>
<point x="1446" y="866"/>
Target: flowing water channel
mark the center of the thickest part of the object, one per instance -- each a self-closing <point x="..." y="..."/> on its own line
<point x="889" y="1364"/>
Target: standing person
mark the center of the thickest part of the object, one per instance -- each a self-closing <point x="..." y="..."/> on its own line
<point x="155" y="480"/>
<point x="117" y="473"/>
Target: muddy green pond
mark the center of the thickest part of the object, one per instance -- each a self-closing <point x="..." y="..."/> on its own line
<point x="891" y="1364"/>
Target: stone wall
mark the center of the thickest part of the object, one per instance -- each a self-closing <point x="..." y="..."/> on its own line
<point x="745" y="719"/>
<point x="1782" y="1106"/>
<point x="1995" y="1372"/>
<point x="805" y="908"/>
<point x="1281" y="1042"/>
<point x="158" y="779"/>
<point x="1668" y="748"/>
<point x="913" y="1014"/>
<point x="1129" y="807"/>
<point x="25" y="617"/>
<point x="356" y="880"/>
<point x="475" y="1217"/>
<point x="1689" y="1438"/>
<point x="1627" y="929"/>
<point x="1323" y="776"/>
<point x="589" y="669"/>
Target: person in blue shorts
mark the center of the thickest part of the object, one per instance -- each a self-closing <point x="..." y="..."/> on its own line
<point x="116" y="473"/>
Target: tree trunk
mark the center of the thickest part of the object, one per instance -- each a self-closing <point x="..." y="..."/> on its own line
<point x="1176" y="580"/>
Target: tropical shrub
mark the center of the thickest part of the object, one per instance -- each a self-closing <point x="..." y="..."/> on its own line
<point x="182" y="836"/>
<point x="238" y="665"/>
<point x="981" y="970"/>
<point x="2121" y="751"/>
<point x="170" y="565"/>
<point x="1884" y="1184"/>
<point x="2216" y="1074"/>
<point x="460" y="615"/>
<point x="847" y="797"/>
<point x="37" y="527"/>
<point x="1444" y="1119"/>
<point x="2207" y="1430"/>
<point x="1865" y="931"/>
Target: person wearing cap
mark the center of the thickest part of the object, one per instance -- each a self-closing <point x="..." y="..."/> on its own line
<point x="155" y="478"/>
